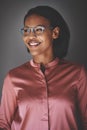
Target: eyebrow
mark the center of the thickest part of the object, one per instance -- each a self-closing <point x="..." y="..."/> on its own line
<point x="35" y="26"/>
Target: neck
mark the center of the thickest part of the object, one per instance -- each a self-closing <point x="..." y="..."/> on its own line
<point x="43" y="59"/>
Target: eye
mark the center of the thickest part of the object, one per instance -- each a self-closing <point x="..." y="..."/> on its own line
<point x="25" y="30"/>
<point x="39" y="30"/>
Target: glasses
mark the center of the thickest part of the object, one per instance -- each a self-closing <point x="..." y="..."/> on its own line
<point x="38" y="30"/>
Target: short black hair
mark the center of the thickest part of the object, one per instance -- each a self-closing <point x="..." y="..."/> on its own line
<point x="60" y="45"/>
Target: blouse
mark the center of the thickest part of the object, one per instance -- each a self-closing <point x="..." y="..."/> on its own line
<point x="53" y="100"/>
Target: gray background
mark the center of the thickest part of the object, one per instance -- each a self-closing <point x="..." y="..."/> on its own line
<point x="12" y="49"/>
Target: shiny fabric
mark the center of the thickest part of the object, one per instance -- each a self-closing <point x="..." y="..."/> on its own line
<point x="55" y="100"/>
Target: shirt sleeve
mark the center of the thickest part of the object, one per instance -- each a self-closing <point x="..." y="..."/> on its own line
<point x="82" y="96"/>
<point x="8" y="104"/>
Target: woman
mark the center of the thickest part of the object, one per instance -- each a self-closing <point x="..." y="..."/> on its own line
<point x="48" y="92"/>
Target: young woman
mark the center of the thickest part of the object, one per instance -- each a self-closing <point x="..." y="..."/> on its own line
<point x="48" y="92"/>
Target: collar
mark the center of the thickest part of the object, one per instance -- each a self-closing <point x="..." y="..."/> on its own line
<point x="50" y="64"/>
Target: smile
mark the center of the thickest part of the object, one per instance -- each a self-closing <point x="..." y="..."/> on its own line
<point x="34" y="43"/>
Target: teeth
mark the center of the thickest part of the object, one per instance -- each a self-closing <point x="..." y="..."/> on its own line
<point x="33" y="44"/>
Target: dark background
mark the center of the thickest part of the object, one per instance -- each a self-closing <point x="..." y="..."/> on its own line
<point x="12" y="49"/>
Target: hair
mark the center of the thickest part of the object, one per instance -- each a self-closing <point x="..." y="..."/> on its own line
<point x="60" y="45"/>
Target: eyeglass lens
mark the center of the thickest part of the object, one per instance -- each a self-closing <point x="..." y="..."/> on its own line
<point x="37" y="30"/>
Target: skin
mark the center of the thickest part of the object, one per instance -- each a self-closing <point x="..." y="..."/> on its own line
<point x="43" y="51"/>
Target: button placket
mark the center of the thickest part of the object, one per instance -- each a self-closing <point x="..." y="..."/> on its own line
<point x="45" y="104"/>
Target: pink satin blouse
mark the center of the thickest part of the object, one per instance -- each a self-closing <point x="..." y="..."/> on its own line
<point x="55" y="100"/>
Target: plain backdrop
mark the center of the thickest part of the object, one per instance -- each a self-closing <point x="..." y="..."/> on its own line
<point x="12" y="49"/>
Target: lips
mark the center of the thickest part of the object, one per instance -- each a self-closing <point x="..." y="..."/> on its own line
<point x="34" y="43"/>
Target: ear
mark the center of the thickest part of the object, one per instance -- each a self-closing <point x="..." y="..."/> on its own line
<point x="56" y="32"/>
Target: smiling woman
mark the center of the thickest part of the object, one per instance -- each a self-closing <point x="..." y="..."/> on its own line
<point x="48" y="92"/>
<point x="40" y="45"/>
<point x="55" y="20"/>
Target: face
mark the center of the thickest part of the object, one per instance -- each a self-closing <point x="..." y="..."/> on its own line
<point x="39" y="44"/>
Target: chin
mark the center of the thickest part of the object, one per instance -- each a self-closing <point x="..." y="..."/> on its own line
<point x="34" y="53"/>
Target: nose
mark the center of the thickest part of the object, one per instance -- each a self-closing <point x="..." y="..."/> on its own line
<point x="31" y="33"/>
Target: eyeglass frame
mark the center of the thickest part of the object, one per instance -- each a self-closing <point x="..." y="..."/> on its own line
<point x="32" y="29"/>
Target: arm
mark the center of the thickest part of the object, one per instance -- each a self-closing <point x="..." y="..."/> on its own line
<point x="8" y="104"/>
<point x="82" y="97"/>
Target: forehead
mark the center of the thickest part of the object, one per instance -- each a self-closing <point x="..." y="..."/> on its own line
<point x="34" y="20"/>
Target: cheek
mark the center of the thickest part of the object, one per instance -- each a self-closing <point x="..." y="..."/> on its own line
<point x="48" y="39"/>
<point x="25" y="39"/>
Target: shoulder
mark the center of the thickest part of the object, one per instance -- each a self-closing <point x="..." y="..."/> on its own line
<point x="72" y="67"/>
<point x="19" y="70"/>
